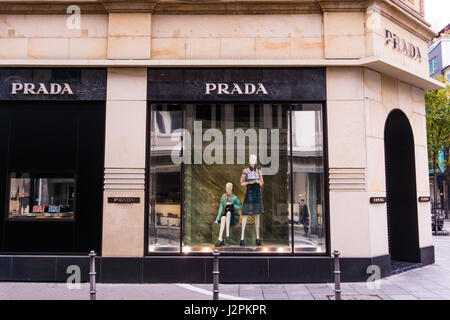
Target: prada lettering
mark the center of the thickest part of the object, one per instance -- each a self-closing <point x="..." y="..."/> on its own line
<point x="235" y="89"/>
<point x="377" y="200"/>
<point x="401" y="45"/>
<point x="41" y="88"/>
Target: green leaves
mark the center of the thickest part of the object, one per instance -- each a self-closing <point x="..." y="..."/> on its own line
<point x="437" y="106"/>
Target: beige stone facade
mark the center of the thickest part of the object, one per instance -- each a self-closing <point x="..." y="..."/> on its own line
<point x="366" y="79"/>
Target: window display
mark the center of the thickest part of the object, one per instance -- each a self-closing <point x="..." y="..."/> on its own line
<point x="308" y="178"/>
<point x="197" y="149"/>
<point x="41" y="196"/>
<point x="165" y="180"/>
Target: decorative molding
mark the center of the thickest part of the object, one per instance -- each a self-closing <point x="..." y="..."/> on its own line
<point x="129" y="6"/>
<point x="124" y="179"/>
<point x="347" y="179"/>
<point x="237" y="7"/>
<point x="409" y="9"/>
<point x="50" y="7"/>
<point x="343" y="5"/>
<point x="164" y="6"/>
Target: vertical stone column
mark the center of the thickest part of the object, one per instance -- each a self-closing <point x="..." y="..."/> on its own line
<point x="126" y="106"/>
<point x="349" y="219"/>
<point x="376" y="115"/>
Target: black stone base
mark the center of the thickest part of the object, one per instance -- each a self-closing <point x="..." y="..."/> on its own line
<point x="427" y="255"/>
<point x="196" y="269"/>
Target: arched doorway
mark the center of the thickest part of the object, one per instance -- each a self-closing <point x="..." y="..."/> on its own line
<point x="403" y="231"/>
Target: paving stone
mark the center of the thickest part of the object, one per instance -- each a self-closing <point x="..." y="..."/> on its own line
<point x="357" y="297"/>
<point x="301" y="297"/>
<point x="403" y="297"/>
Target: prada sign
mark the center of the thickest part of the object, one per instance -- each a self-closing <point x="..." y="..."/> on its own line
<point x="375" y="200"/>
<point x="124" y="200"/>
<point x="236" y="84"/>
<point x="53" y="84"/>
<point x="235" y="88"/>
<point x="40" y="88"/>
<point x="401" y="45"/>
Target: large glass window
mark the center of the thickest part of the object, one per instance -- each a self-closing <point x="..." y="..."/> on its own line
<point x="41" y="196"/>
<point x="308" y="178"/>
<point x="165" y="179"/>
<point x="223" y="175"/>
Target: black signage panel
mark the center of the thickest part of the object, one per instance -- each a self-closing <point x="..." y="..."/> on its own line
<point x="377" y="199"/>
<point x="424" y="199"/>
<point x="124" y="200"/>
<point x="53" y="84"/>
<point x="236" y="84"/>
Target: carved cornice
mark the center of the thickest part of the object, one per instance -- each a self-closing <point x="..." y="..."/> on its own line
<point x="129" y="6"/>
<point x="163" y="6"/>
<point x="49" y="7"/>
<point x="343" y="5"/>
<point x="237" y="7"/>
<point x="410" y="11"/>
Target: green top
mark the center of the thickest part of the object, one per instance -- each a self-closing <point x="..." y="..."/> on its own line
<point x="223" y="202"/>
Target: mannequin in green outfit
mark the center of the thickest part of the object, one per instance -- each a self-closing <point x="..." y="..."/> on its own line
<point x="228" y="213"/>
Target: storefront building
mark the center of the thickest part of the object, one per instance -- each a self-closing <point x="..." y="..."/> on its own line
<point x="124" y="125"/>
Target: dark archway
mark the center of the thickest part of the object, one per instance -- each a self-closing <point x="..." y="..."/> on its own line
<point x="403" y="231"/>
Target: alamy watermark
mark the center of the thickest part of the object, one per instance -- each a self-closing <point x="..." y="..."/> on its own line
<point x="235" y="146"/>
<point x="74" y="278"/>
<point x="374" y="280"/>
<point x="73" y="22"/>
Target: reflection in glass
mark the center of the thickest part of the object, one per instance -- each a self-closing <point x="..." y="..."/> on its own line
<point x="215" y="144"/>
<point x="308" y="178"/>
<point x="165" y="179"/>
<point x="34" y="196"/>
<point x="205" y="184"/>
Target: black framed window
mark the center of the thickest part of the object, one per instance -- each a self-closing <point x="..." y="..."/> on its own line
<point x="308" y="180"/>
<point x="165" y="179"/>
<point x="209" y="146"/>
<point x="39" y="196"/>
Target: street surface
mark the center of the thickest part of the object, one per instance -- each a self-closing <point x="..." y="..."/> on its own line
<point x="430" y="282"/>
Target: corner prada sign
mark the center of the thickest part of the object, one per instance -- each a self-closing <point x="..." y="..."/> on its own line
<point x="41" y="88"/>
<point x="407" y="48"/>
<point x="235" y="89"/>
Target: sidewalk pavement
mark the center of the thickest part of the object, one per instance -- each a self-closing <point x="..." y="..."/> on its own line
<point x="430" y="282"/>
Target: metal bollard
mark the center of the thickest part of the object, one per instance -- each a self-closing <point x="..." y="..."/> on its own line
<point x="92" y="273"/>
<point x="216" y="273"/>
<point x="337" y="276"/>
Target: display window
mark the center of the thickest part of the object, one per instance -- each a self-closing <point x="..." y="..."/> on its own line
<point x="41" y="196"/>
<point x="241" y="177"/>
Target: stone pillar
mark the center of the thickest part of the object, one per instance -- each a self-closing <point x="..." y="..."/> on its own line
<point x="376" y="115"/>
<point x="126" y="106"/>
<point x="349" y="201"/>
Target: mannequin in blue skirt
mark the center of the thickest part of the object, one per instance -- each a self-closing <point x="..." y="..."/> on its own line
<point x="252" y="179"/>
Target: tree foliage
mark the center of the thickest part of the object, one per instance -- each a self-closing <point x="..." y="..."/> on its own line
<point x="437" y="105"/>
